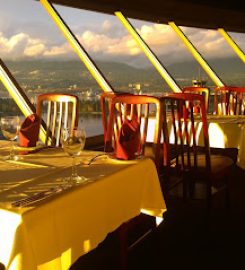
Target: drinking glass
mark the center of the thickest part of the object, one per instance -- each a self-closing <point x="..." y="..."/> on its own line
<point x="10" y="126"/>
<point x="73" y="142"/>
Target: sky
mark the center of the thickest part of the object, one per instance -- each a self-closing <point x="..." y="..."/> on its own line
<point x="27" y="31"/>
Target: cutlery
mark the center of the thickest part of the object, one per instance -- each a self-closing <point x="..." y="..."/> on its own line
<point x="37" y="197"/>
<point x="93" y="159"/>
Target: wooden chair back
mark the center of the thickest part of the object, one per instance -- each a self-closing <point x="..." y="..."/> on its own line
<point x="58" y="111"/>
<point x="140" y="107"/>
<point x="199" y="90"/>
<point x="181" y="134"/>
<point x="105" y="102"/>
<point x="229" y="100"/>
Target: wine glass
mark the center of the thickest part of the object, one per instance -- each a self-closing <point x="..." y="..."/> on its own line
<point x="10" y="126"/>
<point x="73" y="142"/>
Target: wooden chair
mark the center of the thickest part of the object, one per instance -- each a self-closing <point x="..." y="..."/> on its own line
<point x="199" y="90"/>
<point x="58" y="111"/>
<point x="124" y="107"/>
<point x="105" y="102"/>
<point x="141" y="108"/>
<point x="229" y="100"/>
<point x="182" y="129"/>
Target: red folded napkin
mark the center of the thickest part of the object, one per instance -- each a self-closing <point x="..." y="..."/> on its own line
<point x="29" y="131"/>
<point x="128" y="144"/>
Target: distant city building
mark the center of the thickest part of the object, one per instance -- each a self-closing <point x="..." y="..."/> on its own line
<point x="135" y="87"/>
<point x="199" y="82"/>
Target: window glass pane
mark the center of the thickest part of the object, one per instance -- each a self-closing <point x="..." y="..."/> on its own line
<point x="219" y="55"/>
<point x="239" y="39"/>
<point x="7" y="106"/>
<point x="41" y="59"/>
<point x="170" y="51"/>
<point x="115" y="52"/>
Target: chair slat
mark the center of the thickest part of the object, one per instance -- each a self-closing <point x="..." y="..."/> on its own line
<point x="229" y="100"/>
<point x="54" y="119"/>
<point x="59" y="124"/>
<point x="66" y="112"/>
<point x="48" y="121"/>
<point x="58" y="114"/>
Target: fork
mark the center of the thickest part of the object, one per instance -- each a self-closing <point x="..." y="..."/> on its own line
<point x="93" y="159"/>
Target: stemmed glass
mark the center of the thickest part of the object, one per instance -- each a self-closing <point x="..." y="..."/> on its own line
<point x="73" y="142"/>
<point x="10" y="126"/>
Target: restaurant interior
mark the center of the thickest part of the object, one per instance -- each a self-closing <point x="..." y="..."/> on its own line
<point x="161" y="188"/>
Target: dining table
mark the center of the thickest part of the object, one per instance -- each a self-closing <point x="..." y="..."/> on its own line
<point x="48" y="223"/>
<point x="227" y="131"/>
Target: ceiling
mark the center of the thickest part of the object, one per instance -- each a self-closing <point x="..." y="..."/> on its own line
<point x="210" y="14"/>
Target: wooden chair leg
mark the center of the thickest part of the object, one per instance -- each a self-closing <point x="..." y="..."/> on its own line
<point x="191" y="187"/>
<point x="123" y="246"/>
<point x="227" y="198"/>
<point x="209" y="195"/>
<point x="186" y="180"/>
<point x="227" y="193"/>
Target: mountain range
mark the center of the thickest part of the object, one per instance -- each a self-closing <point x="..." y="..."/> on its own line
<point x="62" y="74"/>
